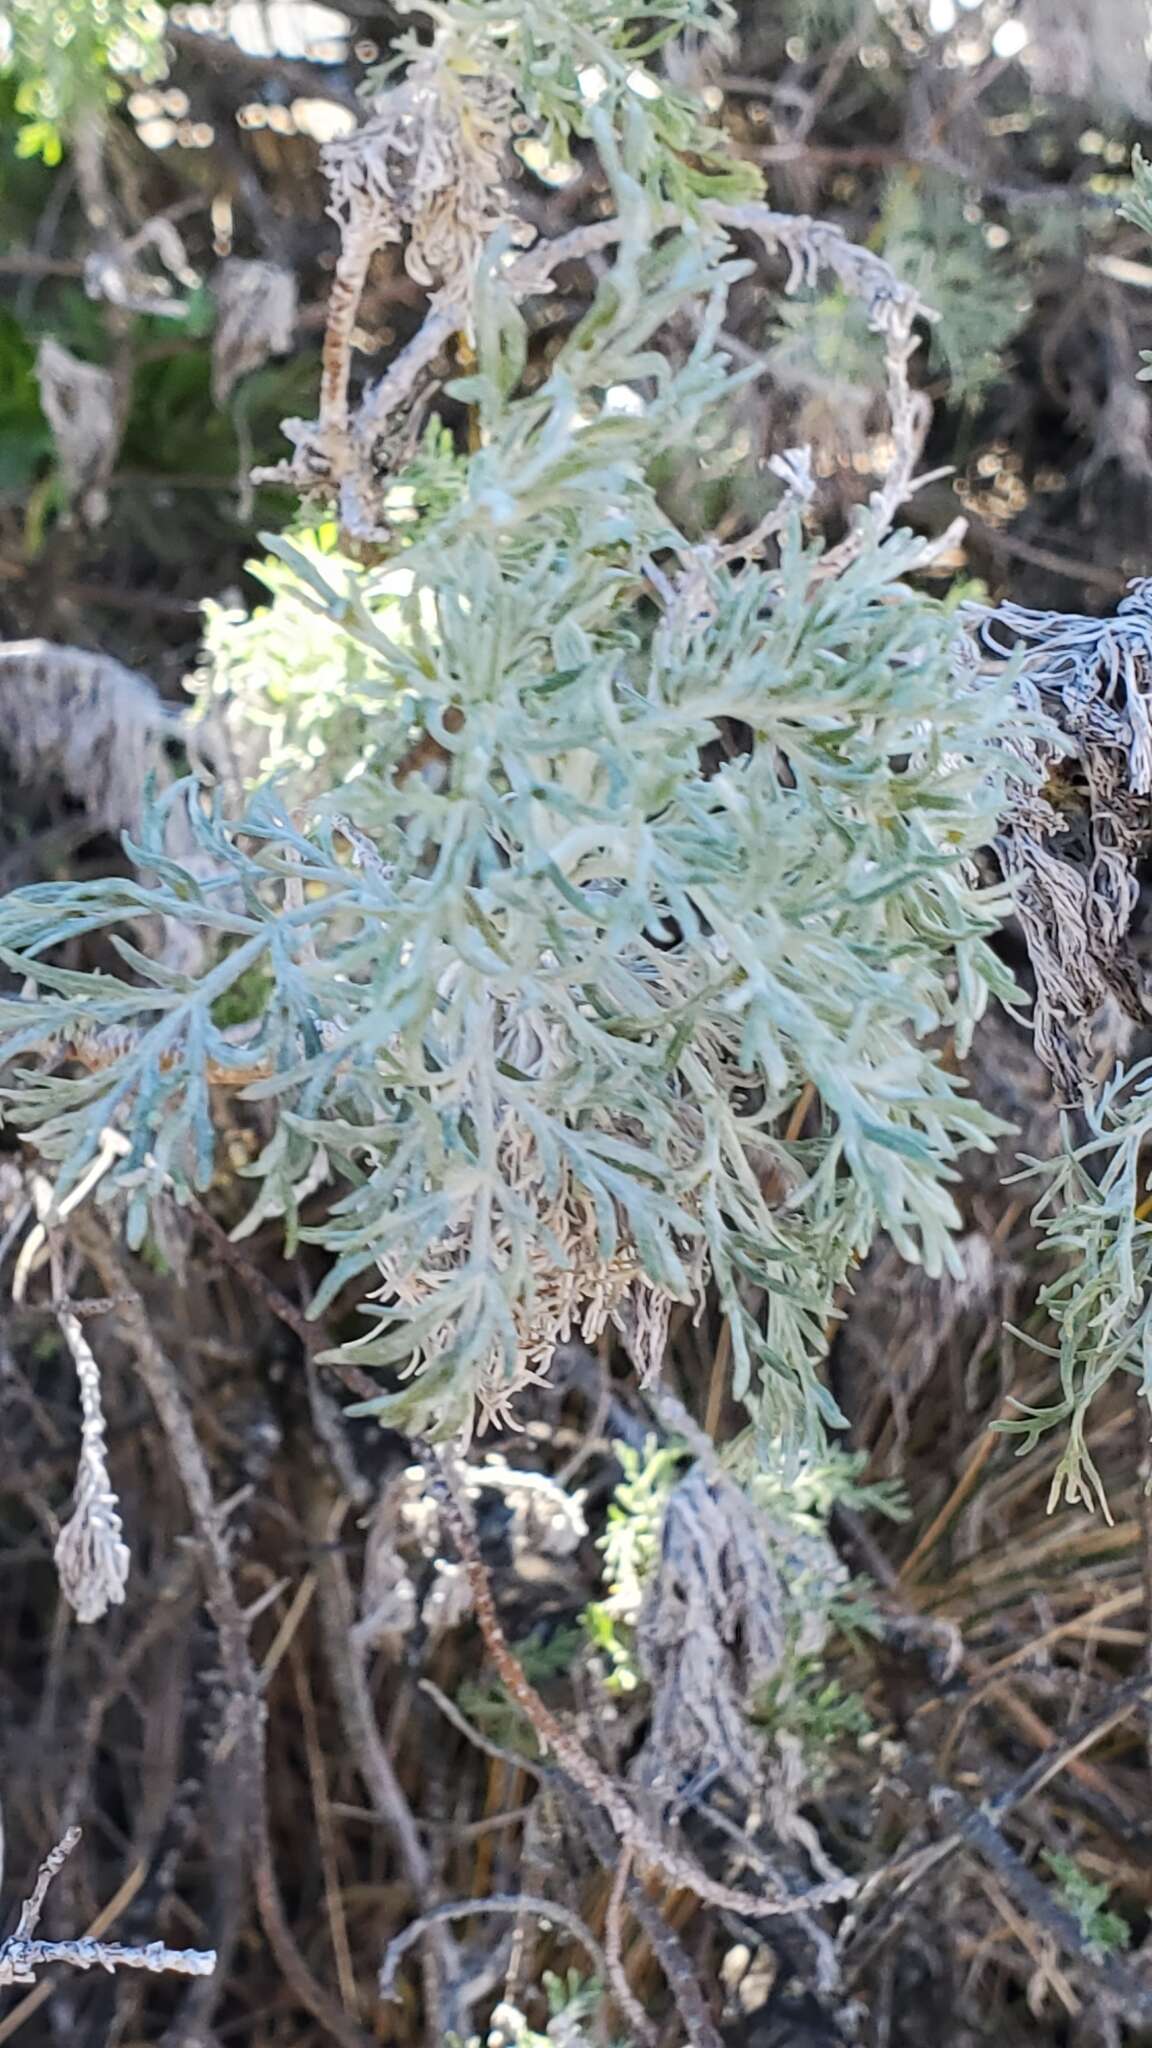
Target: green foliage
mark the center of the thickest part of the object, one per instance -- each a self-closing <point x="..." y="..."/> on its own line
<point x="820" y="20"/>
<point x="1104" y="1932"/>
<point x="66" y="57"/>
<point x="25" y="436"/>
<point x="816" y="1711"/>
<point x="541" y="1657"/>
<point x="979" y="299"/>
<point x="174" y="430"/>
<point x="173" y="411"/>
<point x="1095" y="1218"/>
<point x="572" y="2000"/>
<point x="631" y="1546"/>
<point x="1137" y="207"/>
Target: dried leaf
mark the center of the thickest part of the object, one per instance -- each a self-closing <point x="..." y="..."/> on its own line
<point x="82" y="407"/>
<point x="87" y="722"/>
<point x="255" y="318"/>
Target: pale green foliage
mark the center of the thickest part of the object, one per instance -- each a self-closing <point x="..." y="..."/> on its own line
<point x="65" y="57"/>
<point x="573" y="2001"/>
<point x="631" y="1545"/>
<point x="817" y="1483"/>
<point x="540" y="1018"/>
<point x="1101" y="1301"/>
<point x="798" y="1499"/>
<point x="1104" y="1931"/>
<point x="979" y="301"/>
<point x="585" y="952"/>
<point x="295" y="697"/>
<point x="567" y="62"/>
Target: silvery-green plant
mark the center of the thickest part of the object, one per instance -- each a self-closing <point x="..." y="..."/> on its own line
<point x="617" y="963"/>
<point x="1075" y="842"/>
<point x="979" y="298"/>
<point x="1094" y="1210"/>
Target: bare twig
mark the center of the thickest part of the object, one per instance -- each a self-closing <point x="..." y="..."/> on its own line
<point x="976" y="1827"/>
<point x="21" y="1955"/>
<point x="979" y="1828"/>
<point x="498" y="1902"/>
<point x="452" y="1713"/>
<point x="312" y="1335"/>
<point x="351" y="458"/>
<point x="682" y="1981"/>
<point x="666" y="1945"/>
<point x="247" y="1710"/>
<point x="33" y="1905"/>
<point x="614" y="1951"/>
<point x="358" y="1721"/>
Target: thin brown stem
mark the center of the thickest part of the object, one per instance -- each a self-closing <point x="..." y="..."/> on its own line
<point x="575" y="1760"/>
<point x="160" y="1381"/>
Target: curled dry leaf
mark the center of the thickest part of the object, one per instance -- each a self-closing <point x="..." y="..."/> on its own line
<point x="86" y="722"/>
<point x="255" y="318"/>
<point x="82" y="406"/>
<point x="115" y="273"/>
<point x="1072" y="841"/>
<point x="575" y="1289"/>
<point x="428" y="160"/>
<point x="92" y="1558"/>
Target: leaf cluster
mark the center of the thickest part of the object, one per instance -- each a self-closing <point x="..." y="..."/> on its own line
<point x="617" y="960"/>
<point x="1104" y="1931"/>
<point x="66" y="57"/>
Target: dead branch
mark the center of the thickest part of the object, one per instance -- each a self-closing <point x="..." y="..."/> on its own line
<point x="21" y="1955"/>
<point x="247" y="1708"/>
<point x="345" y="1662"/>
<point x="464" y="1909"/>
<point x="976" y="1827"/>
